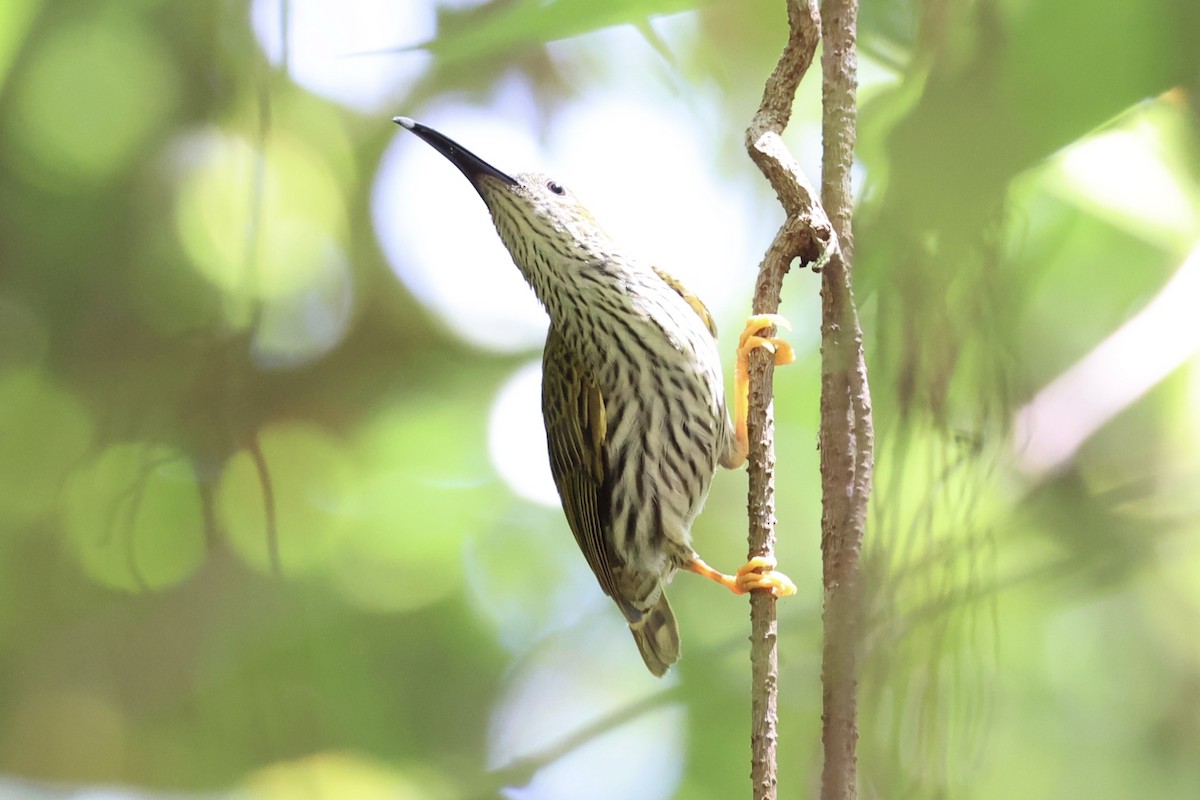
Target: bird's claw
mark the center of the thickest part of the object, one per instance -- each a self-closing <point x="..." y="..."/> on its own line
<point x="758" y="574"/>
<point x="750" y="338"/>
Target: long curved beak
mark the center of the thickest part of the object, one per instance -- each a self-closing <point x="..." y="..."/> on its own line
<point x="470" y="164"/>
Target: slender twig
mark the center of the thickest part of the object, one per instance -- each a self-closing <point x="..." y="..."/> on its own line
<point x="268" y="493"/>
<point x="847" y="436"/>
<point x="806" y="234"/>
<point x="521" y="771"/>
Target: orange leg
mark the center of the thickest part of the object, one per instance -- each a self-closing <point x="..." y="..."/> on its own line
<point x="749" y="340"/>
<point x="756" y="574"/>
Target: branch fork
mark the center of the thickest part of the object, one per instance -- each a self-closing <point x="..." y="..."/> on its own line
<point x="847" y="438"/>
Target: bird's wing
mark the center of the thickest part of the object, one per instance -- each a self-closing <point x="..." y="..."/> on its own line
<point x="693" y="301"/>
<point x="576" y="432"/>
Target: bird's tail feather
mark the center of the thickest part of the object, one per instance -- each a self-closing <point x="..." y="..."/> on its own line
<point x="657" y="636"/>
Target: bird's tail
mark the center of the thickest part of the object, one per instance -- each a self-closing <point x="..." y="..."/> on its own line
<point x="657" y="636"/>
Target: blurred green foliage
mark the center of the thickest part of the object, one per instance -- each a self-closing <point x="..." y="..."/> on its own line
<point x="251" y="536"/>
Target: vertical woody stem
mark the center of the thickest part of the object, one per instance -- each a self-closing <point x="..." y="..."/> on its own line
<point x="847" y="434"/>
<point x="760" y="419"/>
<point x="764" y="661"/>
<point x="794" y="239"/>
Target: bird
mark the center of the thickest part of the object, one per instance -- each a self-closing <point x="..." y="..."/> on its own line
<point x="633" y="397"/>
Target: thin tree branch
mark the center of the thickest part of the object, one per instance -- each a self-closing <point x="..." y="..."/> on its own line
<point x="521" y="772"/>
<point x="806" y="234"/>
<point x="847" y="435"/>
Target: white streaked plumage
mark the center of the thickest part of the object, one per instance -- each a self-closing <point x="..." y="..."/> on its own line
<point x="651" y="353"/>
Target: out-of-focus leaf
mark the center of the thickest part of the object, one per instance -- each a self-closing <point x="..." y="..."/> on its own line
<point x="500" y="27"/>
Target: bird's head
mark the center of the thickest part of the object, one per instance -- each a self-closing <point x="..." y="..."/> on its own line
<point x="530" y="210"/>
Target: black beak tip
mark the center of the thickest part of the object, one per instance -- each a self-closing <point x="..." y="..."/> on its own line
<point x="467" y="162"/>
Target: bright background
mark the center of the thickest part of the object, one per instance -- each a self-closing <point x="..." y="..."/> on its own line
<point x="242" y="313"/>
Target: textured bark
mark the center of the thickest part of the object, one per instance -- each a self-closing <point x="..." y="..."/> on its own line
<point x="847" y="435"/>
<point x="805" y="234"/>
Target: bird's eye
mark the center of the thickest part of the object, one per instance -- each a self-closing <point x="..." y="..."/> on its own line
<point x="557" y="188"/>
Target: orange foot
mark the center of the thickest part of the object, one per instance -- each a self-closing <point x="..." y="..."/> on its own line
<point x="757" y="574"/>
<point x="749" y="340"/>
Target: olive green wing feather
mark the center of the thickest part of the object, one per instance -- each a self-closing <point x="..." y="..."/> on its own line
<point x="576" y="433"/>
<point x="695" y="302"/>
